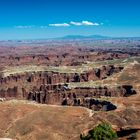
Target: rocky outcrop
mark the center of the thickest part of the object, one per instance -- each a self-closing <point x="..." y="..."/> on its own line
<point x="63" y="95"/>
<point x="70" y="100"/>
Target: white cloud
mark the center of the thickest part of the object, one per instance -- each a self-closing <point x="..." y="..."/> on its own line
<point x="84" y="23"/>
<point x="90" y="23"/>
<point x="24" y="27"/>
<point x="60" y="24"/>
<point x="76" y="23"/>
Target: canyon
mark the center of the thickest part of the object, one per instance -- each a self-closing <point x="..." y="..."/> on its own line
<point x="52" y="87"/>
<point x="74" y="86"/>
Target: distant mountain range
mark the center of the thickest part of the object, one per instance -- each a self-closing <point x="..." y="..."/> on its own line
<point x="96" y="37"/>
<point x="75" y="37"/>
<point x="84" y="37"/>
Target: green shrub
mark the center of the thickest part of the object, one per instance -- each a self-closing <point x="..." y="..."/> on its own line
<point x="103" y="131"/>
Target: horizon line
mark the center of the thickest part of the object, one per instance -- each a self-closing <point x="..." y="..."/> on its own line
<point x="63" y="37"/>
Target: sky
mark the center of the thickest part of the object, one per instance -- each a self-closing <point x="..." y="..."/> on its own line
<point x="40" y="19"/>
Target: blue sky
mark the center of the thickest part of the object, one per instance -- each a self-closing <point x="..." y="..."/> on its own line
<point x="31" y="19"/>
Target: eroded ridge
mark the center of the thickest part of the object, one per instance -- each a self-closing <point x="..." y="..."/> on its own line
<point x="50" y="87"/>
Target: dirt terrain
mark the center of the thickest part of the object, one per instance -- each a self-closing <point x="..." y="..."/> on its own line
<point x="57" y="94"/>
